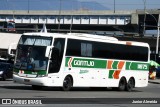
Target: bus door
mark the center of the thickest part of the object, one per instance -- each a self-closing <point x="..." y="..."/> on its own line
<point x="56" y="55"/>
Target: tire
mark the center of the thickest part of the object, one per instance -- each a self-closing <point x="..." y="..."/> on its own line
<point x="36" y="87"/>
<point x="130" y="85"/>
<point x="122" y="84"/>
<point x="67" y="84"/>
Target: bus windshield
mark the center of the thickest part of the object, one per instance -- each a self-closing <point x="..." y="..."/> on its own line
<point x="31" y="53"/>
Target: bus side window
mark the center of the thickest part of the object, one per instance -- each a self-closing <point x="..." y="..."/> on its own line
<point x="57" y="55"/>
<point x="54" y="64"/>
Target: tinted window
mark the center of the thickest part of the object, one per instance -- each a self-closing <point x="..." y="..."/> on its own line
<point x="73" y="47"/>
<point x="106" y="50"/>
<point x="121" y="52"/>
<point x="57" y="55"/>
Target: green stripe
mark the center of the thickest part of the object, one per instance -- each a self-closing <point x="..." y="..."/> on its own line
<point x="111" y="73"/>
<point x="137" y="66"/>
<point x="39" y="72"/>
<point x="97" y="63"/>
<point x="87" y="63"/>
<point x="128" y="65"/>
<point x="66" y="62"/>
<point x="115" y="63"/>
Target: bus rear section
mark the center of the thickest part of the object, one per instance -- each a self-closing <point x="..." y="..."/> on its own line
<point x="100" y="63"/>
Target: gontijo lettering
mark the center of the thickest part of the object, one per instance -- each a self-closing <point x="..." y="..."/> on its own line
<point x="83" y="63"/>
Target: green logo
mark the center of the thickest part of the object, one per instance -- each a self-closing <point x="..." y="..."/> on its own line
<point x="83" y="63"/>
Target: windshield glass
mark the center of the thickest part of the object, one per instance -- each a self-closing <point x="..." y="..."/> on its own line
<point x="31" y="53"/>
<point x="35" y="40"/>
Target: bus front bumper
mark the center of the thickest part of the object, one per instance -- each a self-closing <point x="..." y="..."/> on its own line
<point x="40" y="81"/>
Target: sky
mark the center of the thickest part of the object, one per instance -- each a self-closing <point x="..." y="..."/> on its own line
<point x="85" y="4"/>
<point x="129" y="4"/>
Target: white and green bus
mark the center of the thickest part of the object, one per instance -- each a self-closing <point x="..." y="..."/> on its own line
<point x="80" y="60"/>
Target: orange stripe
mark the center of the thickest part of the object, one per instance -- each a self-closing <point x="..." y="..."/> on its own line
<point x="116" y="74"/>
<point x="70" y="62"/>
<point x="120" y="64"/>
<point x="109" y="65"/>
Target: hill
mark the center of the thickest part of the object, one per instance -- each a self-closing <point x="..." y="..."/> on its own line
<point x="49" y="5"/>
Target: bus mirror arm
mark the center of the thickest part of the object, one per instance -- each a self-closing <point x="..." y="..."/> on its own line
<point x="48" y="49"/>
<point x="10" y="49"/>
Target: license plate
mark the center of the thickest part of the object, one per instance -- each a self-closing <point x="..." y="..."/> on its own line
<point x="26" y="80"/>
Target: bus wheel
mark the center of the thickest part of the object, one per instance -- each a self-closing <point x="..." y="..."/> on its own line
<point x="67" y="84"/>
<point x="130" y="85"/>
<point x="36" y="87"/>
<point x="122" y="84"/>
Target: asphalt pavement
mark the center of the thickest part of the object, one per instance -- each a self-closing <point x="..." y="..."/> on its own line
<point x="79" y="97"/>
<point x="154" y="81"/>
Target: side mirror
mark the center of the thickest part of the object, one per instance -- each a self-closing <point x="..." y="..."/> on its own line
<point x="11" y="46"/>
<point x="48" y="49"/>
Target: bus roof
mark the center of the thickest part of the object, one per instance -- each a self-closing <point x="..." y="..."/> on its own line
<point x="88" y="37"/>
<point x="92" y="36"/>
<point x="39" y="34"/>
<point x="70" y="35"/>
